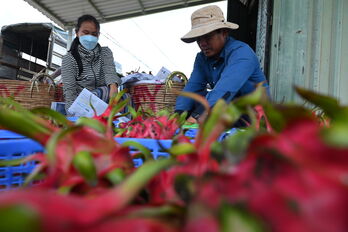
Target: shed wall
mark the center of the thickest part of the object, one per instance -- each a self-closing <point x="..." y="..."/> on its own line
<point x="309" y="48"/>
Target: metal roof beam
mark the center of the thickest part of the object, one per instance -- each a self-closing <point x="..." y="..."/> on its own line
<point x="61" y="21"/>
<point x="96" y="9"/>
<point x="142" y="6"/>
<point x="157" y="10"/>
<point x="46" y="11"/>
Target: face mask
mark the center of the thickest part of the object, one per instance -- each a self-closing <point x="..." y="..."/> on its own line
<point x="88" y="41"/>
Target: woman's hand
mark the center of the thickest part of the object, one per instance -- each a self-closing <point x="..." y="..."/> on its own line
<point x="113" y="90"/>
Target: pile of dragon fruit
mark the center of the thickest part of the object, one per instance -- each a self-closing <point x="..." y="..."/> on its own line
<point x="287" y="171"/>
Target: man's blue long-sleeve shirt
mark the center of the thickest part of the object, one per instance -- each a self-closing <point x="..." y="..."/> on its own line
<point x="234" y="74"/>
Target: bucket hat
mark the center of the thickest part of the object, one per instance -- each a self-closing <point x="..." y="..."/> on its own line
<point x="206" y="20"/>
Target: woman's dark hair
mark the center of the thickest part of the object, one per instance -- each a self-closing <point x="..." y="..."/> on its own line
<point x="76" y="42"/>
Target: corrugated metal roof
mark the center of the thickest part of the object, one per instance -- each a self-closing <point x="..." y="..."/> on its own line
<point x="65" y="12"/>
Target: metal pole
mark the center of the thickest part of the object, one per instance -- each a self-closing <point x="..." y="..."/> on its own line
<point x="70" y="38"/>
<point x="50" y="50"/>
<point x="31" y="52"/>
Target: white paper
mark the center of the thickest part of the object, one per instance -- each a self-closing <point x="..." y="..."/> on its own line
<point x="144" y="78"/>
<point x="136" y="77"/>
<point x="122" y="119"/>
<point x="81" y="106"/>
<point x="59" y="107"/>
<point x="163" y="73"/>
<point x="149" y="82"/>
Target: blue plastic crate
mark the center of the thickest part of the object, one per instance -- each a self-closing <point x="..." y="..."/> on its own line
<point x="73" y="119"/>
<point x="152" y="144"/>
<point x="5" y="134"/>
<point x="228" y="133"/>
<point x="191" y="133"/>
<point x="10" y="149"/>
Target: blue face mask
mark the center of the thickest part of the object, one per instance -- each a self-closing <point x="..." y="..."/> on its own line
<point x="88" y="41"/>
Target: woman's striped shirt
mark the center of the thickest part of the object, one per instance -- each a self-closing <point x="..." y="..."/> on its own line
<point x="98" y="70"/>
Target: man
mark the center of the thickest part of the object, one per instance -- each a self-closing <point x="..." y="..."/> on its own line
<point x="229" y="66"/>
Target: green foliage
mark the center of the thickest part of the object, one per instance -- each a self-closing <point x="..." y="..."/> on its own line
<point x="336" y="116"/>
<point x="236" y="145"/>
<point x="204" y="181"/>
<point x="19" y="218"/>
<point x="92" y="123"/>
<point x="329" y="104"/>
<point x="257" y="97"/>
<point x="116" y="176"/>
<point x="84" y="164"/>
<point x="182" y="148"/>
<point x="56" y="117"/>
<point x="145" y="151"/>
<point x="236" y="218"/>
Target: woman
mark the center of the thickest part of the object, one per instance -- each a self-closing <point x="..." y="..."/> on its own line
<point x="88" y="65"/>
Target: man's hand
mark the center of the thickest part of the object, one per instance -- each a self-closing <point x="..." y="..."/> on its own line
<point x="113" y="90"/>
<point x="191" y="120"/>
<point x="197" y="118"/>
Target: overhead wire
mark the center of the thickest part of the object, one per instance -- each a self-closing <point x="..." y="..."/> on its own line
<point x="118" y="44"/>
<point x="154" y="44"/>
